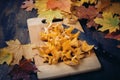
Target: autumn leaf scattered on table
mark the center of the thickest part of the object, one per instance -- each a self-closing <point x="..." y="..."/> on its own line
<point x="87" y="13"/>
<point x="28" y="5"/>
<point x="44" y="12"/>
<point x="108" y="22"/>
<point x="41" y="5"/>
<point x="102" y="4"/>
<point x="113" y="35"/>
<point x="18" y="50"/>
<point x="23" y="70"/>
<point x="91" y="23"/>
<point x="81" y="2"/>
<point x="113" y="8"/>
<point x="76" y="3"/>
<point x="24" y="64"/>
<point x="63" y="5"/>
<point x="52" y="9"/>
<point x="5" y="56"/>
<point x="88" y="1"/>
<point x="49" y="15"/>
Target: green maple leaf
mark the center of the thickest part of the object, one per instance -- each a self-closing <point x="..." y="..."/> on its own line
<point x="5" y="56"/>
<point x="49" y="15"/>
<point x="108" y="22"/>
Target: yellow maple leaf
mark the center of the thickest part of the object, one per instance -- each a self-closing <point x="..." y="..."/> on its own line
<point x="18" y="50"/>
<point x="41" y="5"/>
<point x="49" y="15"/>
<point x="5" y="56"/>
<point x="108" y="22"/>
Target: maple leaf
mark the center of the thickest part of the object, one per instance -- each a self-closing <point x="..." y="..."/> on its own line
<point x="88" y="1"/>
<point x="114" y="8"/>
<point x="28" y="5"/>
<point x="49" y="15"/>
<point x="23" y="70"/>
<point x="63" y="5"/>
<point x="18" y="50"/>
<point x="41" y="5"/>
<point x="76" y="3"/>
<point x="91" y="23"/>
<point x="102" y="4"/>
<point x="5" y="56"/>
<point x="81" y="2"/>
<point x="108" y="22"/>
<point x="113" y="35"/>
<point x="87" y="13"/>
<point x="24" y="64"/>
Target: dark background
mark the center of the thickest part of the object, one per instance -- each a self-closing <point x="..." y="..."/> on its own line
<point x="13" y="25"/>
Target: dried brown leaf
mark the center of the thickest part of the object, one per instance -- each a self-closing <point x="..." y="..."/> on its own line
<point x="102" y="4"/>
<point x="114" y="8"/>
<point x="113" y="35"/>
<point x="28" y="5"/>
<point x="87" y="13"/>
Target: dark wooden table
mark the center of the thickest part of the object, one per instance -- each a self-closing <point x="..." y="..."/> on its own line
<point x="13" y="25"/>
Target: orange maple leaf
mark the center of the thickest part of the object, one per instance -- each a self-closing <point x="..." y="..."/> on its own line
<point x="63" y="5"/>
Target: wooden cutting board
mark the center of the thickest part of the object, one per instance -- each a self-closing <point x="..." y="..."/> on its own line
<point x="47" y="71"/>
